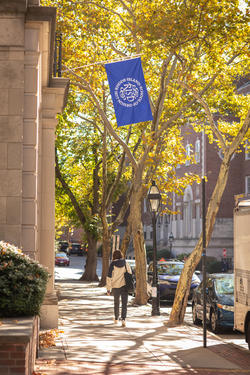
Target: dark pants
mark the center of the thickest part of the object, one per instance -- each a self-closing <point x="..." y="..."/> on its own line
<point x="123" y="292"/>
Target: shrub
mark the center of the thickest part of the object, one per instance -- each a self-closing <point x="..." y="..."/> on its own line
<point x="163" y="253"/>
<point x="214" y="267"/>
<point x="22" y="283"/>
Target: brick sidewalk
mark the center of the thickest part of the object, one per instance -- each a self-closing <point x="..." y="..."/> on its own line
<point x="92" y="345"/>
<point x="44" y="367"/>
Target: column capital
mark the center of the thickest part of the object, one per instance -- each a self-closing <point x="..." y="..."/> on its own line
<point x="54" y="98"/>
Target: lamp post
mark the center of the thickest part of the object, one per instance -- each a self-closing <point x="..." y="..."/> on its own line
<point x="171" y="240"/>
<point x="154" y="200"/>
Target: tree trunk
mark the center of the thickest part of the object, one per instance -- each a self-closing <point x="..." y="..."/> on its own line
<point x="106" y="249"/>
<point x="126" y="239"/>
<point x="91" y="261"/>
<point x="183" y="287"/>
<point x="135" y="220"/>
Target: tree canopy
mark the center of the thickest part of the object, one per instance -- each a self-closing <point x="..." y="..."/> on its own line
<point x="192" y="53"/>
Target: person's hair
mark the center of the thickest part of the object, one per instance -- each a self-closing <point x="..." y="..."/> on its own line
<point x="117" y="254"/>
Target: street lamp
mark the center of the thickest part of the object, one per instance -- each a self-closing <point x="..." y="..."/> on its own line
<point x="171" y="240"/>
<point x="154" y="200"/>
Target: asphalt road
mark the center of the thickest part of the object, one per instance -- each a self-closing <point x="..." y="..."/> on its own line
<point x="75" y="270"/>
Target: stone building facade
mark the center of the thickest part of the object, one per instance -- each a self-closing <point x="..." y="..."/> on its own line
<point x="30" y="99"/>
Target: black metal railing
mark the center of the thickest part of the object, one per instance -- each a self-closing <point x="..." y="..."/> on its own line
<point x="57" y="66"/>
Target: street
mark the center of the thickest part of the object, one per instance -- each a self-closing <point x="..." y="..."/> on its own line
<point x="75" y="270"/>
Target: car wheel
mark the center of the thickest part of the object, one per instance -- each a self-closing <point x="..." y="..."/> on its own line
<point x="214" y="322"/>
<point x="196" y="320"/>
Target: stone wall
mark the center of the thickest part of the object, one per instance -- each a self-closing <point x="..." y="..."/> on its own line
<point x="30" y="101"/>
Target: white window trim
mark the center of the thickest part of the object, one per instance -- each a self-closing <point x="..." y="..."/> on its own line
<point x="197" y="151"/>
<point x="247" y="152"/>
<point x="188" y="153"/>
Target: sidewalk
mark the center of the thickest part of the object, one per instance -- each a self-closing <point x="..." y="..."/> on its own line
<point x="92" y="344"/>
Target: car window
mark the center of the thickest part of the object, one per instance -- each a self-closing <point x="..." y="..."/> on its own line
<point x="62" y="255"/>
<point x="131" y="263"/>
<point x="224" y="285"/>
<point x="170" y="269"/>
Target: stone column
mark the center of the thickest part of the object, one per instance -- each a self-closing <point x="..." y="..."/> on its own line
<point x="49" y="311"/>
<point x="53" y="98"/>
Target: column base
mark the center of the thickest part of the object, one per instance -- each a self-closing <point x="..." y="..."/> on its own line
<point x="49" y="312"/>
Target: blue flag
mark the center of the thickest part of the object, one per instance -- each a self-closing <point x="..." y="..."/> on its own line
<point x="128" y="91"/>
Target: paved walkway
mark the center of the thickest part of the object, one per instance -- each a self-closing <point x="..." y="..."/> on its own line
<point x="92" y="344"/>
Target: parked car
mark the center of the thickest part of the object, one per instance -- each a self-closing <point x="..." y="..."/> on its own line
<point x="168" y="276"/>
<point x="61" y="259"/>
<point x="131" y="262"/>
<point x="219" y="301"/>
<point x="64" y="246"/>
<point x="132" y="266"/>
<point x="76" y="248"/>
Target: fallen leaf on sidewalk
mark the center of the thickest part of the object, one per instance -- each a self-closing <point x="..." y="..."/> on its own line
<point x="47" y="338"/>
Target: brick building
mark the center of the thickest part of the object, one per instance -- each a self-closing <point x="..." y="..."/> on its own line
<point x="186" y="226"/>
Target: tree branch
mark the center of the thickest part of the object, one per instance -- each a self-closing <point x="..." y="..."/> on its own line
<point x="108" y="125"/>
<point x="91" y="122"/>
<point x="208" y="113"/>
<point x="119" y="219"/>
<point x="86" y="87"/>
<point x="68" y="191"/>
<point x="119" y="173"/>
<point x="239" y="137"/>
<point x="108" y="10"/>
<point x="117" y="50"/>
<point x="164" y="83"/>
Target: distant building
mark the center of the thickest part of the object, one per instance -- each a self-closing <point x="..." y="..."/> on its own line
<point x="187" y="224"/>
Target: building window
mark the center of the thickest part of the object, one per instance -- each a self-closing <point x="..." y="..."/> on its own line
<point x="197" y="151"/>
<point x="188" y="153"/>
<point x="247" y="151"/>
<point x="247" y="189"/>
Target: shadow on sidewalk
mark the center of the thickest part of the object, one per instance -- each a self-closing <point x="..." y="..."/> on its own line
<point x="93" y="345"/>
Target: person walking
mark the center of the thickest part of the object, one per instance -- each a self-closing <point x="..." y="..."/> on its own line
<point x="116" y="283"/>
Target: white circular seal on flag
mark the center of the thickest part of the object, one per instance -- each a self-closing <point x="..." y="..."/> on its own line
<point x="129" y="92"/>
